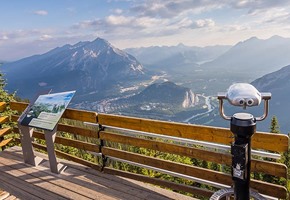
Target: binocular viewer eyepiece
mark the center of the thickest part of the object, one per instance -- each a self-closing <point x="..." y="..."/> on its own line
<point x="244" y="95"/>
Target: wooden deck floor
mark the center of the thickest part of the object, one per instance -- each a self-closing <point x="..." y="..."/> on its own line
<point x="23" y="181"/>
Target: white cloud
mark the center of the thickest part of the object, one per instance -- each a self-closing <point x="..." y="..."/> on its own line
<point x="4" y="37"/>
<point x="145" y="26"/>
<point x="45" y="37"/>
<point x="275" y="15"/>
<point x="202" y="23"/>
<point x="41" y="12"/>
<point x="147" y="22"/>
<point x="119" y="20"/>
<point x="234" y="28"/>
<point x="254" y="5"/>
<point x="169" y="19"/>
<point x="173" y="8"/>
<point x="118" y="11"/>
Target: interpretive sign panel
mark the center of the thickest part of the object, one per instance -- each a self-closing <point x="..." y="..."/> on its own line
<point x="47" y="110"/>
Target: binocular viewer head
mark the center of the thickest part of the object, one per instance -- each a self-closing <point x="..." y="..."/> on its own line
<point x="244" y="95"/>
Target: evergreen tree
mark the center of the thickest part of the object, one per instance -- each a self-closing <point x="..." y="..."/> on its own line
<point x="4" y="96"/>
<point x="274" y="127"/>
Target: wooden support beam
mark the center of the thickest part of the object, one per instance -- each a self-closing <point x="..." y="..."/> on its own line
<point x="18" y="106"/>
<point x="5" y="131"/>
<point x="77" y="130"/>
<point x="3" y="106"/>
<point x="198" y="172"/>
<point x="68" y="142"/>
<point x="266" y="141"/>
<point x="80" y="115"/>
<point x="70" y="157"/>
<point x="5" y="142"/>
<point x="4" y="119"/>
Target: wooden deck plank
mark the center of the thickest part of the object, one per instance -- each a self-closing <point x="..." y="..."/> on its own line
<point x="88" y="183"/>
<point x="40" y="184"/>
<point x="136" y="186"/>
<point x="79" y="182"/>
<point x="125" y="190"/>
<point x="17" y="190"/>
<point x="65" y="182"/>
<point x="11" y="198"/>
<point x="22" y="189"/>
<point x="6" y="196"/>
<point x="3" y="195"/>
<point x="123" y="181"/>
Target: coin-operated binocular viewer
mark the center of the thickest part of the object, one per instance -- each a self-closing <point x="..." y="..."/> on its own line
<point x="243" y="126"/>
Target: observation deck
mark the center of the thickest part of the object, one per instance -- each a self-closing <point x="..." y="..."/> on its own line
<point x="22" y="181"/>
<point x="119" y="157"/>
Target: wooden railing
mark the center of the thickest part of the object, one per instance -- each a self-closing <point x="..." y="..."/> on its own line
<point x="4" y="131"/>
<point x="115" y="139"/>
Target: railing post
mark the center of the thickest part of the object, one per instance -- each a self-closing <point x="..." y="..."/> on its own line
<point x="1" y="139"/>
<point x="104" y="158"/>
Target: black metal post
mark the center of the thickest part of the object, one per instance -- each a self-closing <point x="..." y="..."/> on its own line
<point x="243" y="126"/>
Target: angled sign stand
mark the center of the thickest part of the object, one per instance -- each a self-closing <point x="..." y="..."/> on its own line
<point x="44" y="113"/>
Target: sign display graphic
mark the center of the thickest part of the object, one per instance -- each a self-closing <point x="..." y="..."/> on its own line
<point x="47" y="110"/>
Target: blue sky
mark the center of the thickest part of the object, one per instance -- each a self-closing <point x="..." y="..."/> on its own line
<point x="29" y="27"/>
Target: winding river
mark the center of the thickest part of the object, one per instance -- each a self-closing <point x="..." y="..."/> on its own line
<point x="210" y="108"/>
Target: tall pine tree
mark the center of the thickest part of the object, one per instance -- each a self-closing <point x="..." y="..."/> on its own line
<point x="274" y="127"/>
<point x="4" y="95"/>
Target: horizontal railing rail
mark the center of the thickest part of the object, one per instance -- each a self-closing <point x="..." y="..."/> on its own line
<point x="112" y="139"/>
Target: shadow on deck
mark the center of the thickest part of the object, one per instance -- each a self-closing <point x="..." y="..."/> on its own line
<point x="23" y="181"/>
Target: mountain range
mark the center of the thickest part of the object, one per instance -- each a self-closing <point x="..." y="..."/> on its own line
<point x="172" y="57"/>
<point x="250" y="59"/>
<point x="214" y="68"/>
<point x="92" y="68"/>
<point x="254" y="55"/>
<point x="278" y="83"/>
<point x="112" y="80"/>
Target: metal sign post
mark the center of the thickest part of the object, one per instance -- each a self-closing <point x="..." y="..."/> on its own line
<point x="27" y="148"/>
<point x="28" y="151"/>
<point x="49" y="139"/>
